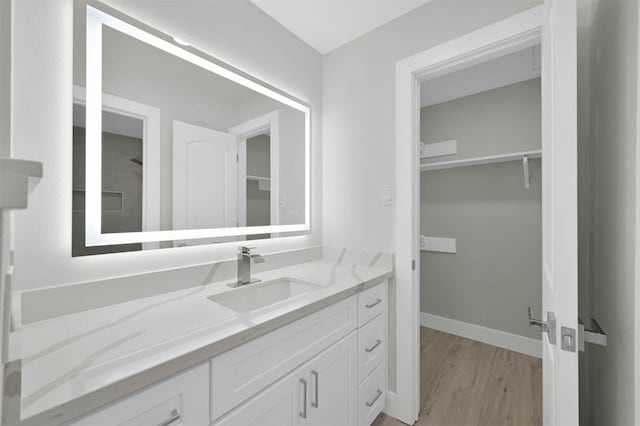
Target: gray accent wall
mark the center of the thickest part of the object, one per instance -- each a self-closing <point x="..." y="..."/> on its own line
<point x="494" y="122"/>
<point x="495" y="274"/>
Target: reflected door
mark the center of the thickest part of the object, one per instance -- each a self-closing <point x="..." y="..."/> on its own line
<point x="205" y="182"/>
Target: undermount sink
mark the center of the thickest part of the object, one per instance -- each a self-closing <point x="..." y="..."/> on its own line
<point x="255" y="296"/>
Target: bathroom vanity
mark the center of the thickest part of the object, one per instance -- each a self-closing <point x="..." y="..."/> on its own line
<point x="306" y="345"/>
<point x="328" y="368"/>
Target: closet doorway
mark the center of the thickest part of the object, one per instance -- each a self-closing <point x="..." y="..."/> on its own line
<point x="553" y="26"/>
<point x="481" y="243"/>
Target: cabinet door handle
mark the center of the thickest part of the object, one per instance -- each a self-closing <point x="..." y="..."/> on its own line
<point x="375" y="345"/>
<point x="175" y="416"/>
<point x="303" y="413"/>
<point x="316" y="377"/>
<point x="373" y="401"/>
<point x="378" y="300"/>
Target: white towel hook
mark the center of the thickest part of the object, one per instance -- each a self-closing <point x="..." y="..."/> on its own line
<point x="525" y="171"/>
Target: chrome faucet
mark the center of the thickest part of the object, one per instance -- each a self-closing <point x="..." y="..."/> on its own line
<point x="244" y="266"/>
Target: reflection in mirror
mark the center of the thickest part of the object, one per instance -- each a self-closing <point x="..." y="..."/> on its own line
<point x="258" y="183"/>
<point x="122" y="140"/>
<point x="186" y="151"/>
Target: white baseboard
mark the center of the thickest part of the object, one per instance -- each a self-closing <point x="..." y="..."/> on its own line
<point x="501" y="339"/>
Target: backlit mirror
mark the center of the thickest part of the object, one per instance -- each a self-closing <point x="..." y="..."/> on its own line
<point x="171" y="147"/>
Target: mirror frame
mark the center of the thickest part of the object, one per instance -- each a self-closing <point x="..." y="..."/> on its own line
<point x="95" y="20"/>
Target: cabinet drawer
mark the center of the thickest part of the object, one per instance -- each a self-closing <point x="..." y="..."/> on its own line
<point x="372" y="346"/>
<point x="372" y="394"/>
<point x="183" y="398"/>
<point x="371" y="303"/>
<point x="242" y="372"/>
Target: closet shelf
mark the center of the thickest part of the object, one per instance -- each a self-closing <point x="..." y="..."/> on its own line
<point x="258" y="178"/>
<point x="476" y="161"/>
<point x="264" y="183"/>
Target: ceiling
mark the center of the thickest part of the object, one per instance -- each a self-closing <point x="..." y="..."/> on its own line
<point x="499" y="72"/>
<point x="328" y="24"/>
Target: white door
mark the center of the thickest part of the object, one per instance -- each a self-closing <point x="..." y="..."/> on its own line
<point x="333" y="385"/>
<point x="205" y="178"/>
<point x="282" y="404"/>
<point x="559" y="212"/>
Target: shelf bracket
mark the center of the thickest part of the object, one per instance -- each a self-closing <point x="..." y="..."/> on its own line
<point x="525" y="171"/>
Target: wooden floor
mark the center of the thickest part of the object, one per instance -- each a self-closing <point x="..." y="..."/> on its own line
<point x="467" y="383"/>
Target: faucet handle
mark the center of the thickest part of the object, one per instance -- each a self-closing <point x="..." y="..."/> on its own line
<point x="245" y="249"/>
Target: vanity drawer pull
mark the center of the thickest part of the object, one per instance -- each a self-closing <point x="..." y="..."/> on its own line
<point x="375" y="345"/>
<point x="378" y="300"/>
<point x="175" y="416"/>
<point x="315" y="374"/>
<point x="373" y="401"/>
<point x="303" y="413"/>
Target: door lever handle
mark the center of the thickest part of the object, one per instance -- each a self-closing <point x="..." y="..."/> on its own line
<point x="548" y="326"/>
<point x="596" y="335"/>
<point x="544" y="326"/>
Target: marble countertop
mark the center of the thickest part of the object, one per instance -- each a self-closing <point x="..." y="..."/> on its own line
<point x="75" y="363"/>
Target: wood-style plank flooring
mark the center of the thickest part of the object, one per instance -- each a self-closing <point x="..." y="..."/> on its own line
<point x="467" y="383"/>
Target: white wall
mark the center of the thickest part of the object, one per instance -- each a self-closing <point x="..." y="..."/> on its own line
<point x="5" y="76"/>
<point x="5" y="115"/>
<point x="359" y="114"/>
<point x="235" y="32"/>
<point x="613" y="119"/>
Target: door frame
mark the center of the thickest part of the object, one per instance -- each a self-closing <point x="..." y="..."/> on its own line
<point x="247" y="130"/>
<point x="500" y="38"/>
<point x="151" y="144"/>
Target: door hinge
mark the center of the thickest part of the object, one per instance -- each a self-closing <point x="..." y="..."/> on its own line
<point x="413" y="265"/>
<point x="237" y="158"/>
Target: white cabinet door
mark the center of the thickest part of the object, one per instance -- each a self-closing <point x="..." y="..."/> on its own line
<point x="333" y="384"/>
<point x="283" y="404"/>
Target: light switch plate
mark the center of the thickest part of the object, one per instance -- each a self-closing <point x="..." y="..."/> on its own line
<point x="387" y="195"/>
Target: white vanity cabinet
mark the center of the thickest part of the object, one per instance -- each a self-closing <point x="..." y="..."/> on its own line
<point x="344" y="384"/>
<point x="321" y="392"/>
<point x="327" y="368"/>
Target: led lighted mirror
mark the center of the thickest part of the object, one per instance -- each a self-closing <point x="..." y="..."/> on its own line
<point x="172" y="147"/>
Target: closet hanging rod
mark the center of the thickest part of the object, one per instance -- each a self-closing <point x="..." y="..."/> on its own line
<point x="476" y="161"/>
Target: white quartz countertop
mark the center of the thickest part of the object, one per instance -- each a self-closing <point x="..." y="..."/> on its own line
<point x="75" y="363"/>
